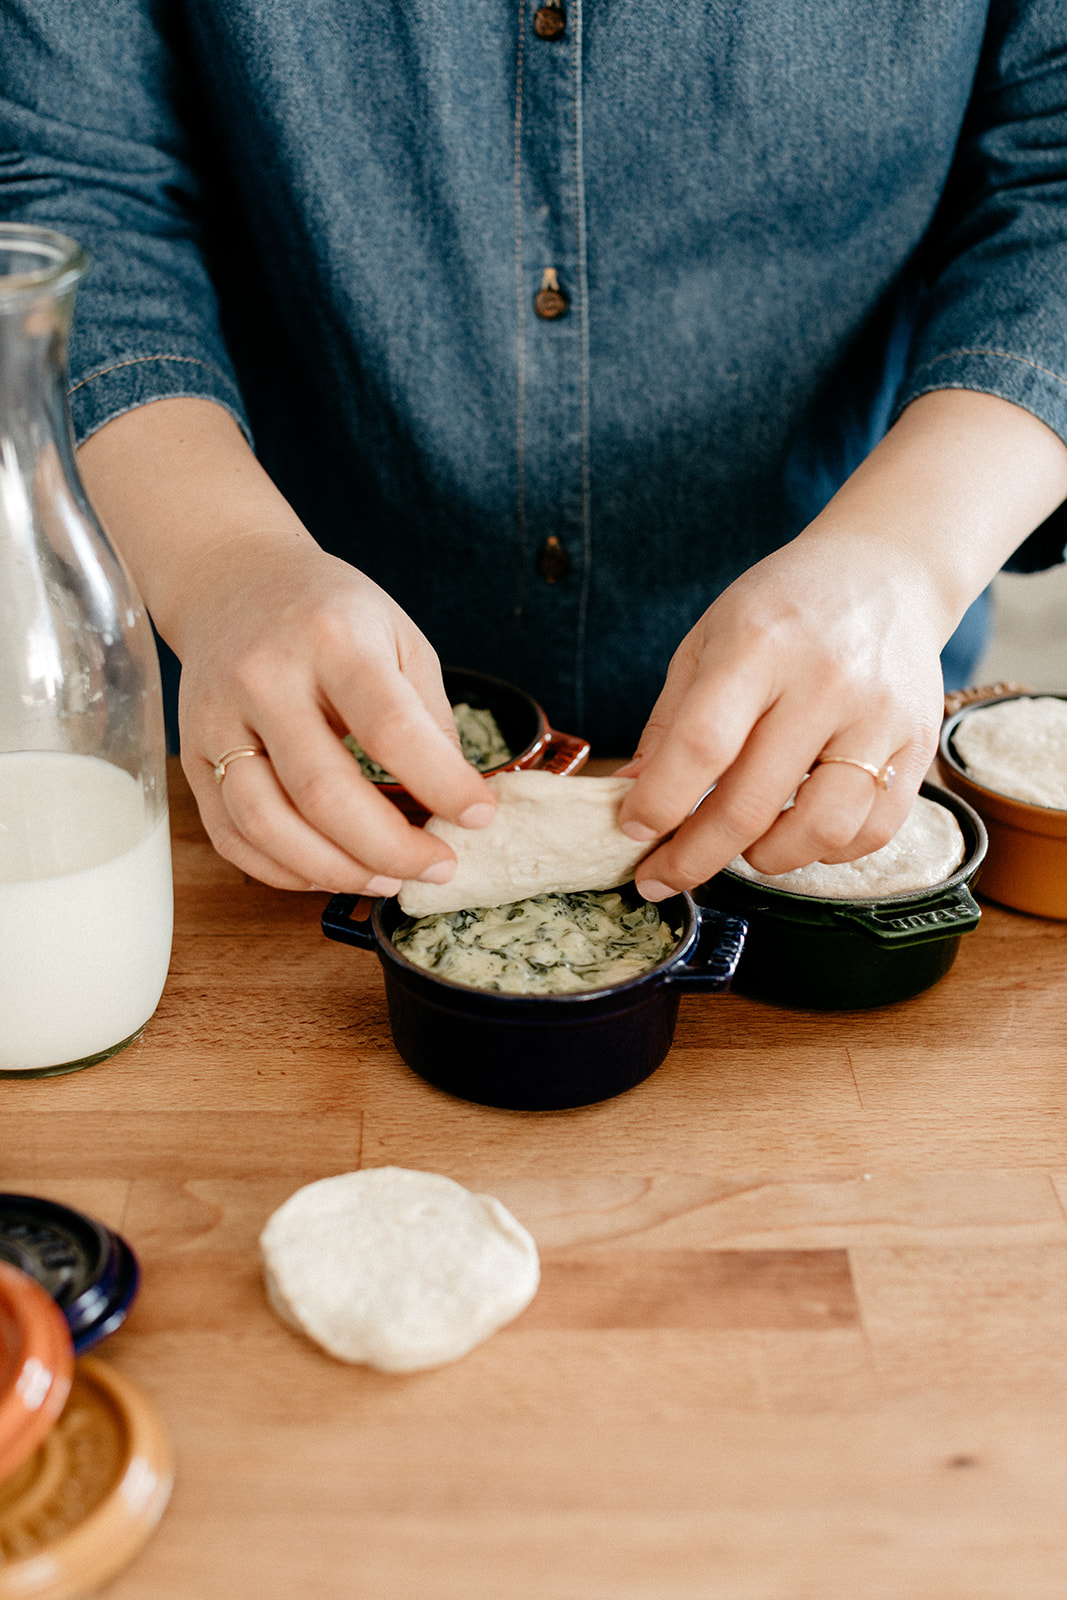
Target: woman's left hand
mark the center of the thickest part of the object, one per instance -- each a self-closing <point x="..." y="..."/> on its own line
<point x="830" y="647"/>
<point x="826" y="648"/>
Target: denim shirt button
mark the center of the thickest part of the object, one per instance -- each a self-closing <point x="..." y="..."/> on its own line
<point x="550" y="22"/>
<point x="550" y="302"/>
<point x="553" y="562"/>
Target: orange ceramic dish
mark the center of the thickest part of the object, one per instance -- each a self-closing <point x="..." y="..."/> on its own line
<point x="80" y="1508"/>
<point x="36" y="1362"/>
<point x="1026" y="864"/>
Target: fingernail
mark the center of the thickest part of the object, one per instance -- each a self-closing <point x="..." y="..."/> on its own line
<point x="439" y="872"/>
<point x="638" y="831"/>
<point x="477" y="816"/>
<point x="650" y="889"/>
<point x="382" y="886"/>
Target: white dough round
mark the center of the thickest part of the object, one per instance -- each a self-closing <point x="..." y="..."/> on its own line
<point x="925" y="850"/>
<point x="550" y="835"/>
<point x="397" y="1269"/>
<point x="1018" y="748"/>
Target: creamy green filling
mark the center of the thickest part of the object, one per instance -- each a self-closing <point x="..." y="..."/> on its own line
<point x="550" y="944"/>
<point x="480" y="739"/>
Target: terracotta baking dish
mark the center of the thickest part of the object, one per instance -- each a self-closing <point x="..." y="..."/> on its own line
<point x="36" y="1364"/>
<point x="520" y="719"/>
<point x="1026" y="865"/>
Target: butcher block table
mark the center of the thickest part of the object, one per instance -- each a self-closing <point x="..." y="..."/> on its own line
<point x="802" y="1330"/>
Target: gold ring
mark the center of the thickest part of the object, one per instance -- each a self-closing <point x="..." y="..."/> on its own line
<point x="235" y="755"/>
<point x="884" y="777"/>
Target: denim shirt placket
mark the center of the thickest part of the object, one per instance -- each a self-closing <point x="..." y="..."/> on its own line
<point x="552" y="409"/>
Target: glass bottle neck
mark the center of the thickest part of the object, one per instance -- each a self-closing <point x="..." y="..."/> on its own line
<point x="33" y="346"/>
<point x="78" y="669"/>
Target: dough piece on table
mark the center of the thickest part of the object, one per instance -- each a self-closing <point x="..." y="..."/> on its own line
<point x="397" y="1269"/>
<point x="1018" y="748"/>
<point x="550" y="835"/>
<point x="925" y="850"/>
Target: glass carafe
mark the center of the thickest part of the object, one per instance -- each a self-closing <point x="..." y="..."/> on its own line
<point x="86" y="903"/>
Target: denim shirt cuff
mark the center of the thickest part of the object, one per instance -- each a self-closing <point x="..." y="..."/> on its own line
<point x="999" y="372"/>
<point x="101" y="396"/>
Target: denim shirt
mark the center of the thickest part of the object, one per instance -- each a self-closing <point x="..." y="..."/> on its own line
<point x="758" y="227"/>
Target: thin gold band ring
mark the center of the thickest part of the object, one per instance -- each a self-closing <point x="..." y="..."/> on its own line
<point x="235" y="755"/>
<point x="884" y="777"/>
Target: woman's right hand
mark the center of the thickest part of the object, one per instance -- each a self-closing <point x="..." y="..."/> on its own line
<point x="284" y="648"/>
<point x="289" y="651"/>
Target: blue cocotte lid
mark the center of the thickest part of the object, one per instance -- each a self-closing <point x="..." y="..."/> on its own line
<point x="90" y="1272"/>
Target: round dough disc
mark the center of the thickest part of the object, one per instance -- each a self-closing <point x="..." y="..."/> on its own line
<point x="925" y="850"/>
<point x="397" y="1269"/>
<point x="1018" y="748"/>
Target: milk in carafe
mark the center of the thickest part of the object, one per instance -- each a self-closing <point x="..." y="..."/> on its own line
<point x="86" y="909"/>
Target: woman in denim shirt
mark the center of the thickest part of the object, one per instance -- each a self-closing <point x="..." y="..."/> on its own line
<point x="562" y="333"/>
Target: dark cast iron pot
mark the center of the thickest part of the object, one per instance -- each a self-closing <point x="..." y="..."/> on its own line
<point x="827" y="955"/>
<point x="525" y="727"/>
<point x="542" y="1052"/>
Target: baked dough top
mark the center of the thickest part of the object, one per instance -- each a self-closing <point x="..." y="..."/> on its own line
<point x="1017" y="748"/>
<point x="925" y="850"/>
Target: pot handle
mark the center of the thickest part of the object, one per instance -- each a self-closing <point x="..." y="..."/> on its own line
<point x="564" y="753"/>
<point x="337" y="923"/>
<point x="711" y="967"/>
<point x="954" y="912"/>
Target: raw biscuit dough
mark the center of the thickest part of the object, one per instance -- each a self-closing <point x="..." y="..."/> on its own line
<point x="1018" y="748"/>
<point x="397" y="1269"/>
<point x="550" y="835"/>
<point x="926" y="849"/>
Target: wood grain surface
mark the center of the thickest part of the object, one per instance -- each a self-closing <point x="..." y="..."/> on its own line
<point x="802" y="1333"/>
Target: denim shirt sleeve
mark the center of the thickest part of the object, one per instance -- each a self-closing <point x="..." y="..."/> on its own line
<point x="94" y="142"/>
<point x="994" y="315"/>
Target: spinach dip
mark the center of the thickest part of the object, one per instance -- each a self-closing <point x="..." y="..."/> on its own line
<point x="550" y="944"/>
<point x="480" y="740"/>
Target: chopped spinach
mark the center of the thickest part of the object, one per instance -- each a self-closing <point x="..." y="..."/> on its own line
<point x="548" y="944"/>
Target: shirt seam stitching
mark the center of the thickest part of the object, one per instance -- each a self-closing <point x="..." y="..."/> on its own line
<point x="1001" y="355"/>
<point x="583" y="398"/>
<point x="520" y="402"/>
<point x="136" y="361"/>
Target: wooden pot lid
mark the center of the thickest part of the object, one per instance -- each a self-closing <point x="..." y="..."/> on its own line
<point x="82" y="1506"/>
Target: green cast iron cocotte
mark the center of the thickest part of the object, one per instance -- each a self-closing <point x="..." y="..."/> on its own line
<point x="818" y="953"/>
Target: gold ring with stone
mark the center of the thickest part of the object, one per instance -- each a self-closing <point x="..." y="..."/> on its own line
<point x="884" y="777"/>
<point x="235" y="755"/>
